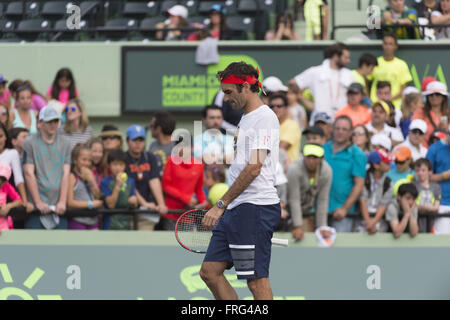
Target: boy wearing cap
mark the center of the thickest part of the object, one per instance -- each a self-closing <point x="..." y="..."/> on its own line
<point x="429" y="198"/>
<point x="402" y="213"/>
<point x="7" y="191"/>
<point x="377" y="193"/>
<point x="143" y="168"/>
<point x="314" y="135"/>
<point x="354" y="110"/>
<point x="380" y="115"/>
<point x="414" y="140"/>
<point x="47" y="158"/>
<point x="324" y="121"/>
<point x="309" y="183"/>
<point x="403" y="159"/>
<point x="439" y="156"/>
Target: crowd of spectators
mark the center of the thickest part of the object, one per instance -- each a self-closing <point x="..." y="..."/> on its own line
<point x="360" y="151"/>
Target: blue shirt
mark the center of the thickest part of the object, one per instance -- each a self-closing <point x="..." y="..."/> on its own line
<point x="346" y="164"/>
<point x="206" y="143"/>
<point x="439" y="155"/>
<point x="396" y="175"/>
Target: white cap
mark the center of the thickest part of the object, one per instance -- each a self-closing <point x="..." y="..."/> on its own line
<point x="409" y="90"/>
<point x="273" y="84"/>
<point x="419" y="124"/>
<point x="436" y="87"/>
<point x="178" y="10"/>
<point x="48" y="113"/>
<point x="380" y="139"/>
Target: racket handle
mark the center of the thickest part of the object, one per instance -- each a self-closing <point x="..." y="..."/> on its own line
<point x="280" y="242"/>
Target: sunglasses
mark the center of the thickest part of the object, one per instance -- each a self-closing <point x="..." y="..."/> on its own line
<point x="417" y="131"/>
<point x="276" y="106"/>
<point x="400" y="162"/>
<point x="359" y="133"/>
<point x="72" y="108"/>
<point x="4" y="112"/>
<point x="434" y="94"/>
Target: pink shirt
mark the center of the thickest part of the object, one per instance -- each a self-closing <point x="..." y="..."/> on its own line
<point x="63" y="94"/>
<point x="5" y="96"/>
<point x="7" y="190"/>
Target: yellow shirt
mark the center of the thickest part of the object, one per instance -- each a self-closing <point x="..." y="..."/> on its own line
<point x="396" y="72"/>
<point x="290" y="133"/>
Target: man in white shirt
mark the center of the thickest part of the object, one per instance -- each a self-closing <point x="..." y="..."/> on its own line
<point x="249" y="211"/>
<point x="329" y="81"/>
<point x="380" y="114"/>
<point x="416" y="135"/>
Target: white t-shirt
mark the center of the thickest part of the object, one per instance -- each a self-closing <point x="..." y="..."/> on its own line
<point x="328" y="86"/>
<point x="393" y="133"/>
<point x="11" y="157"/>
<point x="444" y="33"/>
<point x="416" y="154"/>
<point x="257" y="130"/>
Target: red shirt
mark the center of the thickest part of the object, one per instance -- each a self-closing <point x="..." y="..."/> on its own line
<point x="180" y="182"/>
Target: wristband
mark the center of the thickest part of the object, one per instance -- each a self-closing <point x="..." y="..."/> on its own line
<point x="90" y="205"/>
<point x="444" y="176"/>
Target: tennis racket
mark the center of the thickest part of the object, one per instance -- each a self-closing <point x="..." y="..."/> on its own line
<point x="194" y="237"/>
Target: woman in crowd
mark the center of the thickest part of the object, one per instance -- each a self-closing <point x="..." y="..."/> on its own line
<point x="5" y="94"/>
<point x="442" y="17"/>
<point x="177" y="19"/>
<point x="76" y="128"/>
<point x="284" y="29"/>
<point x="5" y="116"/>
<point x="37" y="100"/>
<point x="10" y="156"/>
<point x="361" y="138"/>
<point x="435" y="112"/>
<point x="217" y="26"/>
<point x="23" y="116"/>
<point x="63" y="87"/>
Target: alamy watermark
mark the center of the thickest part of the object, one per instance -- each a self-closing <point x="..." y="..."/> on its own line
<point x="374" y="17"/>
<point x="73" y="22"/>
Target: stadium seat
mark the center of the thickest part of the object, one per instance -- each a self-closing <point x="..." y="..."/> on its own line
<point x="267" y="5"/>
<point x="140" y="10"/>
<point x="62" y="33"/>
<point x="248" y="7"/>
<point x="150" y="23"/>
<point x="118" y="29"/>
<point x="5" y="26"/>
<point x="205" y="6"/>
<point x="54" y="10"/>
<point x="192" y="6"/>
<point x="165" y="5"/>
<point x="31" y="30"/>
<point x="14" y="11"/>
<point x="240" y="26"/>
<point x="199" y="19"/>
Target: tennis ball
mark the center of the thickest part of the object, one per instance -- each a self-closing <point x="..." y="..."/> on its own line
<point x="216" y="192"/>
<point x="124" y="176"/>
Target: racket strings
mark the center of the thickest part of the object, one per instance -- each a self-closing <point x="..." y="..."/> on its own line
<point x="192" y="233"/>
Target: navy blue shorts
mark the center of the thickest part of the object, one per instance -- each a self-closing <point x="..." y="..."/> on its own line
<point x="242" y="238"/>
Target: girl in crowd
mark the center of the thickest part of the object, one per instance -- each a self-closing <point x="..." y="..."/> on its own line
<point x="95" y="145"/>
<point x="11" y="157"/>
<point x="361" y="137"/>
<point x="284" y="29"/>
<point x="215" y="183"/>
<point x="297" y="111"/>
<point x="5" y="94"/>
<point x="23" y="116"/>
<point x="435" y="112"/>
<point x="83" y="191"/>
<point x="217" y="26"/>
<point x="411" y="103"/>
<point x="37" y="100"/>
<point x="5" y="116"/>
<point x="177" y="19"/>
<point x="63" y="88"/>
<point x="76" y="128"/>
<point x="7" y="191"/>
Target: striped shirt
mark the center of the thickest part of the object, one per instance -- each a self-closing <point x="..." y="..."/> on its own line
<point x="76" y="137"/>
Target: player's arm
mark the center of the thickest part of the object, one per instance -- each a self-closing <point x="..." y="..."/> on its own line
<point x="246" y="177"/>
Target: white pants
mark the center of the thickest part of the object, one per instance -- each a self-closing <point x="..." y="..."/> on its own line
<point x="442" y="225"/>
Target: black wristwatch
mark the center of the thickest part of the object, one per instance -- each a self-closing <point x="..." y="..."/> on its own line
<point x="221" y="205"/>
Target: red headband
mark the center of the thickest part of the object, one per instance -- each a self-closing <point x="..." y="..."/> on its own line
<point x="233" y="79"/>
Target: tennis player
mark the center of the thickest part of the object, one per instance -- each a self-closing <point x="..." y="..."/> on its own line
<point x="248" y="213"/>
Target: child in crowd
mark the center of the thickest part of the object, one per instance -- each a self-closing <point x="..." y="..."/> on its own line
<point x="411" y="102"/>
<point x="215" y="182"/>
<point x="63" y="88"/>
<point x="429" y="198"/>
<point x="402" y="213"/>
<point x="97" y="157"/>
<point x="7" y="191"/>
<point x="18" y="136"/>
<point x="119" y="191"/>
<point x="377" y="193"/>
<point x="314" y="134"/>
<point x="403" y="160"/>
<point x="5" y="94"/>
<point x="297" y="112"/>
<point x="83" y="191"/>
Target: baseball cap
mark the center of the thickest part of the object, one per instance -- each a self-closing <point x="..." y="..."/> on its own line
<point x="313" y="150"/>
<point x="418" y="124"/>
<point x="436" y="87"/>
<point x="314" y="130"/>
<point x="355" y="87"/>
<point x="178" y="11"/>
<point x="110" y="130"/>
<point x="384" y="105"/>
<point x="49" y="113"/>
<point x="273" y="84"/>
<point x="5" y="170"/>
<point x="427" y="81"/>
<point x="440" y="134"/>
<point x="402" y="153"/>
<point x="380" y="139"/>
<point x="3" y="80"/>
<point x="379" y="155"/>
<point x="322" y="116"/>
<point x="218" y="8"/>
<point x="135" y="131"/>
<point x="409" y="90"/>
